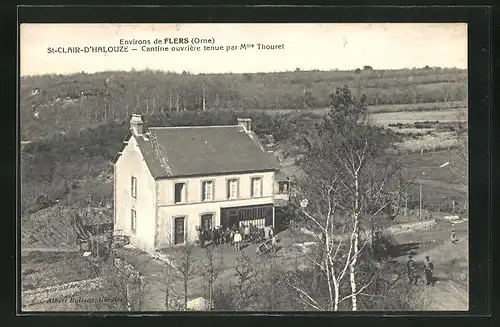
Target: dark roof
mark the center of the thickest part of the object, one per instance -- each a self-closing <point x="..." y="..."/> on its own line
<point x="203" y="150"/>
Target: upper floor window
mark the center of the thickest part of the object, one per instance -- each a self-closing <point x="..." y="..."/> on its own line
<point x="232" y="188"/>
<point x="256" y="187"/>
<point x="133" y="187"/>
<point x="283" y="187"/>
<point x="207" y="190"/>
<point x="180" y="193"/>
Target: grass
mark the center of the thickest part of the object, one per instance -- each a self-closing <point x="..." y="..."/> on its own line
<point x="386" y="118"/>
<point x="431" y="106"/>
<point x="45" y="269"/>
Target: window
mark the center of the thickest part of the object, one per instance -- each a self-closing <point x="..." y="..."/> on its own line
<point x="207" y="190"/>
<point x="133" y="220"/>
<point x="256" y="187"/>
<point x="133" y="187"/>
<point x="283" y="187"/>
<point x="232" y="189"/>
<point x="180" y="192"/>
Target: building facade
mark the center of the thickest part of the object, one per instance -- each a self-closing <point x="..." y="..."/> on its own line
<point x="169" y="181"/>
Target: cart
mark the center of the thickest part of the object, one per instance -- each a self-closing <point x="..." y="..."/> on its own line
<point x="266" y="247"/>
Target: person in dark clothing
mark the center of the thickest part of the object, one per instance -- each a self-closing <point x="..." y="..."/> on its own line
<point x="221" y="235"/>
<point x="216" y="236"/>
<point x="429" y="268"/>
<point x="410" y="267"/>
<point x="212" y="235"/>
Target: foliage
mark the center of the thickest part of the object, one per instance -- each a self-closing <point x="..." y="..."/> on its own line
<point x="65" y="102"/>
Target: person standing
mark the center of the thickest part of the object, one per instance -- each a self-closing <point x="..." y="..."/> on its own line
<point x="216" y="238"/>
<point x="429" y="268"/>
<point x="246" y="230"/>
<point x="237" y="240"/>
<point x="410" y="267"/>
<point x="453" y="234"/>
<point x="270" y="233"/>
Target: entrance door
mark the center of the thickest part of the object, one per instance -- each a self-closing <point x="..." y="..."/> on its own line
<point x="207" y="222"/>
<point x="179" y="230"/>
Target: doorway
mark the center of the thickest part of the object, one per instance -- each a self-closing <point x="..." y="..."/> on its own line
<point x="179" y="230"/>
<point x="207" y="221"/>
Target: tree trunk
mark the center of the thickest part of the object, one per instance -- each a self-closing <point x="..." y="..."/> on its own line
<point x="352" y="267"/>
<point x="210" y="292"/>
<point x="185" y="293"/>
<point x="129" y="308"/>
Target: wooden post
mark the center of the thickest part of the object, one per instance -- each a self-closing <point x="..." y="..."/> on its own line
<point x="97" y="239"/>
<point x="274" y="215"/>
<point x="420" y="204"/>
<point x="406" y="205"/>
<point x="203" y="100"/>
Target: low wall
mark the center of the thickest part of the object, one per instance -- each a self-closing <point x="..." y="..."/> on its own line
<point x="410" y="227"/>
<point x="393" y="230"/>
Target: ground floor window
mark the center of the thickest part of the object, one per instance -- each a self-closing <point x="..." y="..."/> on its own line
<point x="258" y="216"/>
<point x="133" y="220"/>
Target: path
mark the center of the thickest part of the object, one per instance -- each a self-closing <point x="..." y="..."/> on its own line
<point x="48" y="249"/>
<point x="154" y="270"/>
<point x="450" y="267"/>
<point x="450" y="186"/>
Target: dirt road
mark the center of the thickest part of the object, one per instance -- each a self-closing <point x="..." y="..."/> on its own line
<point x="449" y="293"/>
<point x="451" y="289"/>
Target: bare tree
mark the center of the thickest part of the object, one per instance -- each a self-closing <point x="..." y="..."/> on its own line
<point x="244" y="272"/>
<point x="211" y="272"/>
<point x="167" y="286"/>
<point x="128" y="283"/>
<point x="186" y="269"/>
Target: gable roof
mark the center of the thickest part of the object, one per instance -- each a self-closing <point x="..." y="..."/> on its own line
<point x="203" y="150"/>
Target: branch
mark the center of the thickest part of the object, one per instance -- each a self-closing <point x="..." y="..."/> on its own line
<point x="356" y="293"/>
<point x="314" y="220"/>
<point x="314" y="304"/>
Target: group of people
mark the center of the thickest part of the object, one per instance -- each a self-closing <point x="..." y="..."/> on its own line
<point x="411" y="267"/>
<point x="234" y="236"/>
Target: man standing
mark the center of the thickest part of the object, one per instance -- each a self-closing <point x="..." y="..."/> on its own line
<point x="429" y="267"/>
<point x="410" y="266"/>
<point x="246" y="231"/>
<point x="453" y="234"/>
<point x="237" y="240"/>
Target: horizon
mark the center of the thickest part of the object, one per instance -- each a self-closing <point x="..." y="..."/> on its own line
<point x="322" y="47"/>
<point x="238" y="73"/>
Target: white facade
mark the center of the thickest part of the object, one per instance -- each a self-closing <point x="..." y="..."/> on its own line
<point x="154" y="203"/>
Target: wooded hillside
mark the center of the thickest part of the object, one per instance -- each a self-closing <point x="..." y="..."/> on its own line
<point x="58" y="103"/>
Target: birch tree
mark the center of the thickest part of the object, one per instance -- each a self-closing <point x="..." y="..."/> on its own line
<point x="346" y="186"/>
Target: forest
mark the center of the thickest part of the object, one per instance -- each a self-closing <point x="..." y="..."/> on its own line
<point x="59" y="103"/>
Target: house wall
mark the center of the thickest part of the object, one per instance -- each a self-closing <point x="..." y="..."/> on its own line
<point x="131" y="163"/>
<point x="194" y="207"/>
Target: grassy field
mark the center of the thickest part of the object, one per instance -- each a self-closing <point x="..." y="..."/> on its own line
<point x="43" y="269"/>
<point x="386" y="118"/>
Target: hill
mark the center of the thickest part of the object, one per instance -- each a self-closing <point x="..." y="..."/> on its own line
<point x="58" y="103"/>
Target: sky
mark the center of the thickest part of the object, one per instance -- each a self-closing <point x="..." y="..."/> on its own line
<point x="304" y="46"/>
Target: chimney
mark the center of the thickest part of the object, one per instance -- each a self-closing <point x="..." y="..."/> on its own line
<point x="246" y="123"/>
<point x="136" y="124"/>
